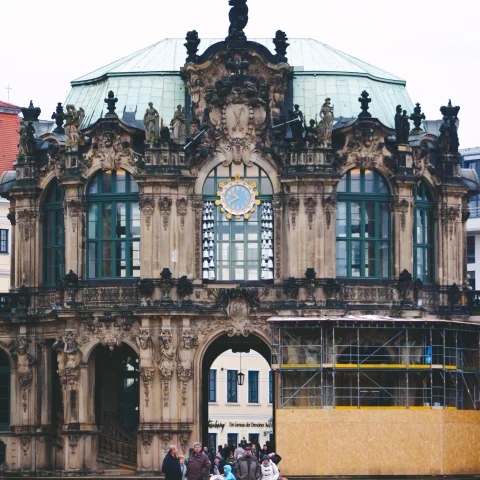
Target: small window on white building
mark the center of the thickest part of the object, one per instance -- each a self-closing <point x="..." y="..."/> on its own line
<point x="470" y="249"/>
<point x="3" y="240"/>
<point x="471" y="279"/>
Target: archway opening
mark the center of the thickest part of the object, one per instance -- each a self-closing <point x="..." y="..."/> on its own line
<point x="117" y="404"/>
<point x="236" y="409"/>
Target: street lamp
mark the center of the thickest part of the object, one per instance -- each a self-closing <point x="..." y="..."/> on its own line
<point x="240" y="375"/>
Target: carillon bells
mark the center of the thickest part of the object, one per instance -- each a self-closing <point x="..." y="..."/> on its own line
<point x="267" y="243"/>
<point x="208" y="241"/>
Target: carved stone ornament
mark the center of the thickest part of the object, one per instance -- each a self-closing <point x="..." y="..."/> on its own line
<point x="185" y="362"/>
<point x="25" y="443"/>
<point x="184" y="440"/>
<point x="147" y="207"/>
<point x="165" y="210"/>
<point x="111" y="149"/>
<point x="25" y="363"/>
<point x="401" y="207"/>
<point x="166" y="439"/>
<point x="166" y="363"/>
<point x="56" y="162"/>
<point x="147" y="440"/>
<point x="293" y="206"/>
<point x="329" y="209"/>
<point x="73" y="439"/>
<point x="182" y="209"/>
<point x="110" y="334"/>
<point x="310" y="209"/>
<point x="147" y="374"/>
<point x="73" y="122"/>
<point x="75" y="209"/>
<point x="26" y="224"/>
<point x="449" y="217"/>
<point x="365" y="147"/>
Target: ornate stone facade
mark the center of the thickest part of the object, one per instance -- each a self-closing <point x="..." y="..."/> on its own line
<point x="241" y="114"/>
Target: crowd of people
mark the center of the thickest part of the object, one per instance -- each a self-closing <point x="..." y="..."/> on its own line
<point x="244" y="462"/>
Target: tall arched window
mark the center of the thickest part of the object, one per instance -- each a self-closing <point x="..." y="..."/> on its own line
<point x="4" y="391"/>
<point x="237" y="249"/>
<point x="113" y="226"/>
<point x="53" y="235"/>
<point x="363" y="225"/>
<point x="423" y="235"/>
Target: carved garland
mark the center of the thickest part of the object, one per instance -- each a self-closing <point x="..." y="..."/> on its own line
<point x="293" y="205"/>
<point x="146" y="374"/>
<point x="277" y="209"/>
<point x="450" y="215"/>
<point x="73" y="440"/>
<point x="401" y="206"/>
<point x="182" y="206"/>
<point x="25" y="443"/>
<point x="147" y="206"/>
<point x="184" y="440"/>
<point x="310" y="209"/>
<point x="74" y="209"/>
<point x="26" y="223"/>
<point x="329" y="209"/>
<point x="147" y="439"/>
<point x="165" y="210"/>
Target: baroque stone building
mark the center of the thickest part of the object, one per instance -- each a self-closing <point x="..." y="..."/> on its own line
<point x="335" y="247"/>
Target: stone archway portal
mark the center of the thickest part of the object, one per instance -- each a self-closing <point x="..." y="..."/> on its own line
<point x="216" y="348"/>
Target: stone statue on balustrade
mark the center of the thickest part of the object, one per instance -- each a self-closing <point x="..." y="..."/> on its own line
<point x="178" y="125"/>
<point x="151" y="121"/>
<point x="325" y="125"/>
<point x="73" y="122"/>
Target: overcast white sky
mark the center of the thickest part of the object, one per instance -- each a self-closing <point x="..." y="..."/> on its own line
<point x="433" y="44"/>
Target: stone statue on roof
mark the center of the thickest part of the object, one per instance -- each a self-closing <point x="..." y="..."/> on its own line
<point x="151" y="123"/>
<point x="325" y="125"/>
<point x="73" y="122"/>
<point x="238" y="19"/>
<point x="178" y="125"/>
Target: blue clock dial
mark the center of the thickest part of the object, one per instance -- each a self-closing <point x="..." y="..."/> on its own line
<point x="237" y="198"/>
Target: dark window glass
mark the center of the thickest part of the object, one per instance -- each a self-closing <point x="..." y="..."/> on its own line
<point x="232" y="396"/>
<point x="232" y="439"/>
<point x="53" y="235"/>
<point x="3" y="240"/>
<point x="252" y="387"/>
<point x="212" y="386"/>
<point x="471" y="279"/>
<point x="423" y="234"/>
<point x="113" y="226"/>
<point x="212" y="442"/>
<point x="470" y="249"/>
<point x="363" y="225"/>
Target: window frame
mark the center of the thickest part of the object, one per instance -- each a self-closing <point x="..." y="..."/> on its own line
<point x="362" y="198"/>
<point x="229" y="390"/>
<point x="425" y="206"/>
<point x="97" y="203"/>
<point x="215" y="380"/>
<point x="211" y="196"/>
<point x="52" y="212"/>
<point x="469" y="254"/>
<point x="249" y="391"/>
<point x="5" y="250"/>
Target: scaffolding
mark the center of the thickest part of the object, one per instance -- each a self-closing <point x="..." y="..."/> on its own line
<point x="376" y="362"/>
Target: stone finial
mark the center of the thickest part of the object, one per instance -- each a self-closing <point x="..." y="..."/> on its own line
<point x="59" y="116"/>
<point x="31" y="113"/>
<point x="192" y="45"/>
<point x="111" y="101"/>
<point x="281" y="46"/>
<point x="238" y="19"/>
<point x="364" y="102"/>
<point x="448" y="140"/>
<point x="417" y="117"/>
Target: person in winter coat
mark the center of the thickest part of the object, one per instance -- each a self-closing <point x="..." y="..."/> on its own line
<point x="217" y="465"/>
<point x="248" y="466"/>
<point x="228" y="473"/>
<point x="232" y="462"/>
<point x="239" y="452"/>
<point x="275" y="458"/>
<point x="171" y="465"/>
<point x="198" y="467"/>
<point x="183" y="467"/>
<point x="269" y="469"/>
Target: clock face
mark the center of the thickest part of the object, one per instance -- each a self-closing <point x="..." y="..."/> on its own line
<point x="237" y="198"/>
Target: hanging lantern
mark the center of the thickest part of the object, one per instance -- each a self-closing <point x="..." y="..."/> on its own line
<point x="240" y="378"/>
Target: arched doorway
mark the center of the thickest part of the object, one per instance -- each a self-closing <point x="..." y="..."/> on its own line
<point x="116" y="400"/>
<point x="237" y="345"/>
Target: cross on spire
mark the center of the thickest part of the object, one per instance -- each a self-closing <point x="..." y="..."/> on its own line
<point x="8" y="88"/>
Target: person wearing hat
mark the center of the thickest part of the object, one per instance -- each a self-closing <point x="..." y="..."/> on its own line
<point x="248" y="466"/>
<point x="198" y="467"/>
<point x="269" y="469"/>
<point x="217" y="465"/>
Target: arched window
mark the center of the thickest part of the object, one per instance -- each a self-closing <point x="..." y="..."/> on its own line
<point x="363" y="225"/>
<point x="53" y="235"/>
<point x="113" y="226"/>
<point x="4" y="391"/>
<point x="237" y="249"/>
<point x="423" y="235"/>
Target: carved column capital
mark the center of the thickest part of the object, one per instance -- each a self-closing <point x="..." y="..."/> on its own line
<point x="293" y="206"/>
<point x="147" y="207"/>
<point x="310" y="209"/>
<point x="182" y="209"/>
<point x="329" y="208"/>
<point x="165" y="204"/>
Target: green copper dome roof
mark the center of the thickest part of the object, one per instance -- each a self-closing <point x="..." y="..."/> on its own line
<point x="153" y="74"/>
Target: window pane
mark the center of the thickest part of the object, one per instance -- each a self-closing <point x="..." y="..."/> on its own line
<point x="133" y="185"/>
<point x="252" y="251"/>
<point x="429" y="227"/>
<point x="369" y="184"/>
<point x="120" y="183"/>
<point x="238" y="230"/>
<point x="370" y="259"/>
<point x="223" y="252"/>
<point x="134" y="220"/>
<point x="342" y="185"/>
<point x="252" y="271"/>
<point x="384" y="229"/>
<point x="252" y="231"/>
<point x="342" y="219"/>
<point x="355" y="181"/>
<point x="93" y="188"/>
<point x="107" y="220"/>
<point x="341" y="259"/>
<point x="107" y="251"/>
<point x="420" y="227"/>
<point x="120" y="260"/>
<point x="223" y="231"/>
<point x="92" y="220"/>
<point x="384" y="260"/>
<point x="135" y="259"/>
<point x="107" y="181"/>
<point x="238" y="271"/>
<point x="355" y="259"/>
<point x="420" y="263"/>
<point x="92" y="260"/>
<point x="58" y="227"/>
<point x="223" y="271"/>
<point x="266" y="187"/>
<point x="355" y="220"/>
<point x="370" y="219"/>
<point x="209" y="187"/>
<point x="121" y="221"/>
<point x="238" y="252"/>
